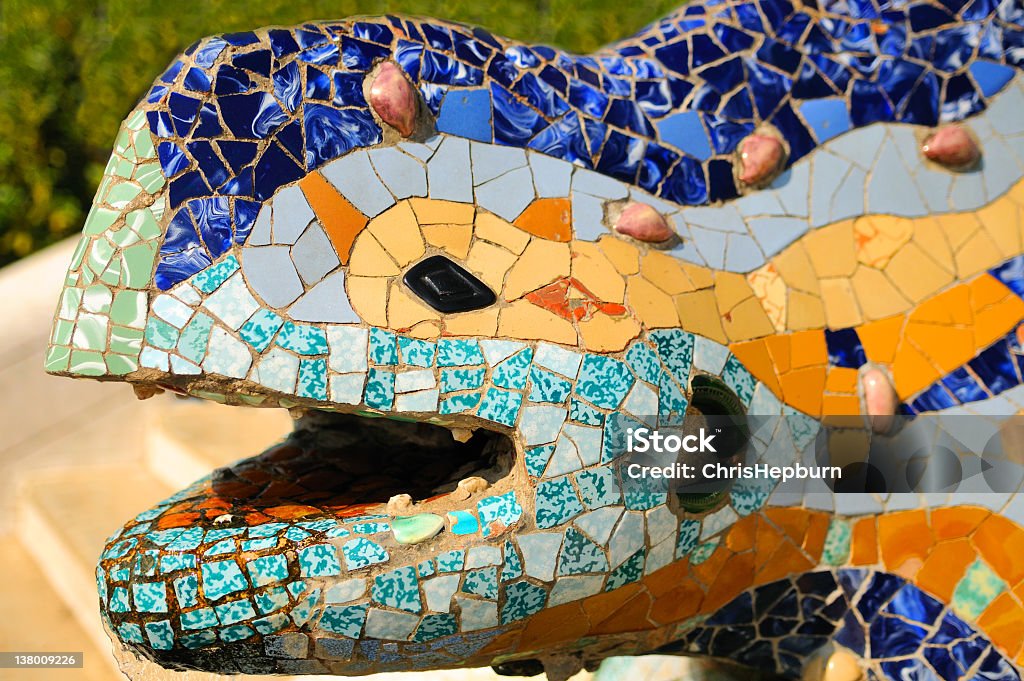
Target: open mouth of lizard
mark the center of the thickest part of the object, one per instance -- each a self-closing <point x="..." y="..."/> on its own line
<point x="348" y="465"/>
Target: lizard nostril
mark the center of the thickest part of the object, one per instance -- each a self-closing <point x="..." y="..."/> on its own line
<point x="447" y="287"/>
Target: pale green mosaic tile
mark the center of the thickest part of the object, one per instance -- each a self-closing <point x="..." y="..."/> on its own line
<point x="62" y="330"/>
<point x="837" y="543"/>
<point x="99" y="220"/>
<point x="121" y="364"/>
<point x="143" y="223"/>
<point x="87" y="363"/>
<point x="97" y="298"/>
<point x="129" y="309"/>
<point x="125" y="341"/>
<point x="57" y="358"/>
<point x="99" y="256"/>
<point x="976" y="590"/>
<point x="161" y="334"/>
<point x="69" y="303"/>
<point x="90" y="332"/>
<point x="149" y="176"/>
<point x="138" y="264"/>
<point x="112" y="275"/>
<point x="79" y="255"/>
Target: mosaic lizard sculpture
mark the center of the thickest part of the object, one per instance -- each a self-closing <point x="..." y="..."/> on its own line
<point x="518" y="257"/>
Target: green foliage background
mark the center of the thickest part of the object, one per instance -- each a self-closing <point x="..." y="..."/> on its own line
<point x="71" y="70"/>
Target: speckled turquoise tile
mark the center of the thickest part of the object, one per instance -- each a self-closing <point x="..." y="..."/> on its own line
<point x="459" y="403"/>
<point x="604" y="381"/>
<point x="458" y="352"/>
<point x="522" y="599"/>
<point x="503" y="509"/>
<point x="319" y="560"/>
<point x="259" y="330"/>
<point x="627" y="573"/>
<point x="454" y="380"/>
<point x="346" y="620"/>
<point x="513" y="565"/>
<point x="451" y="561"/>
<point x="546" y="386"/>
<point x="482" y="583"/>
<point x="398" y="589"/>
<point x="195" y="337"/>
<point x="313" y="379"/>
<point x="581" y="412"/>
<point x="222" y="578"/>
<point x="559" y="360"/>
<point x="416" y="352"/>
<point x="579" y="555"/>
<point x="536" y="459"/>
<point x="361" y="552"/>
<point x="302" y="339"/>
<point x="500" y="406"/>
<point x="739" y="379"/>
<point x="380" y="389"/>
<point x="598" y="488"/>
<point x="556" y="502"/>
<point x="513" y="372"/>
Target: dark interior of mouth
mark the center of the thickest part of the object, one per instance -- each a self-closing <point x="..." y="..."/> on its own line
<point x="345" y="463"/>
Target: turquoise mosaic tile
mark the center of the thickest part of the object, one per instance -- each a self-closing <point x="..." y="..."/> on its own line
<point x="210" y="279"/>
<point x="346" y="620"/>
<point x="271" y="600"/>
<point x="259" y="330"/>
<point x="186" y="590"/>
<point x="312" y="379"/>
<point x="434" y="627"/>
<point x="627" y="573"/>
<point x="500" y="406"/>
<point x="380" y="389"/>
<point x="458" y="352"/>
<point x="556" y="502"/>
<point x="160" y="634"/>
<point x="119" y="600"/>
<point x="558" y="360"/>
<point x="235" y="611"/>
<point x="302" y="339"/>
<point x="463" y="523"/>
<point x="546" y="386"/>
<point x="503" y="509"/>
<point x="536" y="459"/>
<point x="522" y="599"/>
<point x="513" y="372"/>
<point x="604" y="381"/>
<point x="643" y="362"/>
<point x="361" y="552"/>
<point x="319" y="560"/>
<point x="481" y="583"/>
<point x="454" y="380"/>
<point x="581" y="412"/>
<point x="739" y="379"/>
<point x="267" y="569"/>
<point x="222" y="578"/>
<point x="238" y="632"/>
<point x="675" y="348"/>
<point x="416" y="352"/>
<point x="451" y="561"/>
<point x="672" y="402"/>
<point x="598" y="487"/>
<point x="161" y="334"/>
<point x="199" y="619"/>
<point x="130" y="633"/>
<point x="580" y="555"/>
<point x="383" y="347"/>
<point x="150" y="597"/>
<point x="398" y="589"/>
<point x="459" y="403"/>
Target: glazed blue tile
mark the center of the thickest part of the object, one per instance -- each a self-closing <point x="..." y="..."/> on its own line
<point x="556" y="502"/>
<point x="891" y="190"/>
<point x="453" y="380"/>
<point x="1011" y="273"/>
<point x="548" y="387"/>
<point x="458" y="352"/>
<point x="258" y="331"/>
<point x="536" y="459"/>
<point x="448" y="171"/>
<point x="346" y="620"/>
<point x="491" y="161"/>
<point x="995" y="367"/>
<point x="330" y="132"/>
<point x="466" y="114"/>
<point x="267" y="569"/>
<point x="742" y="254"/>
<point x="845" y="349"/>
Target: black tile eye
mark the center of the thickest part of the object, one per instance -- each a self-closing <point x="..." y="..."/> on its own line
<point x="447" y="287"/>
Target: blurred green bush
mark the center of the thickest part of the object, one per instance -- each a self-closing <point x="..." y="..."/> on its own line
<point x="70" y="71"/>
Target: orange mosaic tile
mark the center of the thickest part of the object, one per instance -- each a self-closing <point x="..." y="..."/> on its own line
<point x="905" y="538"/>
<point x="1000" y="542"/>
<point x="864" y="544"/>
<point x="1003" y="621"/>
<point x="945" y="567"/>
<point x="548" y="218"/>
<point x="340" y="219"/>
